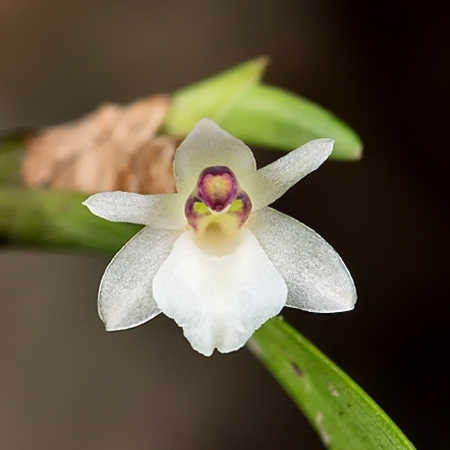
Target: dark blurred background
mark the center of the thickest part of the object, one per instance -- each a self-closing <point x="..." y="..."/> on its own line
<point x="67" y="384"/>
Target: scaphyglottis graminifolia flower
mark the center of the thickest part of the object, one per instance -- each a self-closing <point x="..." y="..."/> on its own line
<point x="214" y="257"/>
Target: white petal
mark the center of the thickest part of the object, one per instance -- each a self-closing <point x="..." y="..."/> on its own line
<point x="125" y="298"/>
<point x="162" y="210"/>
<point x="317" y="279"/>
<point x="272" y="181"/>
<point x="208" y="145"/>
<point x="219" y="301"/>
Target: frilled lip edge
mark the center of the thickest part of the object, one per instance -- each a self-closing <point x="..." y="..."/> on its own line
<point x="219" y="301"/>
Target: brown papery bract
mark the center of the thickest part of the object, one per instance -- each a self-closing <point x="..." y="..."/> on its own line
<point x="113" y="148"/>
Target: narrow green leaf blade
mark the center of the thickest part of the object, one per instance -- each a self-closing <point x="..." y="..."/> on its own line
<point x="56" y="219"/>
<point x="344" y="416"/>
<point x="212" y="97"/>
<point x="272" y="117"/>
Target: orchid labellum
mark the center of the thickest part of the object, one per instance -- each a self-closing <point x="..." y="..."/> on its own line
<point x="214" y="257"/>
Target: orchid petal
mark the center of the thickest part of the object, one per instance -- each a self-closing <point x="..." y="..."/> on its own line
<point x="125" y="296"/>
<point x="219" y="301"/>
<point x="272" y="181"/>
<point x="316" y="277"/>
<point x="162" y="210"/>
<point x="205" y="146"/>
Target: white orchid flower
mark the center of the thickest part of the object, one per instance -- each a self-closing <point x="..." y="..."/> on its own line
<point x="214" y="257"/>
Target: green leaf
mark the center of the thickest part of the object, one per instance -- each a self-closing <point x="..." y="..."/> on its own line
<point x="55" y="219"/>
<point x="212" y="97"/>
<point x="258" y="114"/>
<point x="344" y="416"/>
<point x="272" y="117"/>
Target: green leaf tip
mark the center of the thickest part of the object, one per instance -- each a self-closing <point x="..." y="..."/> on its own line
<point x="343" y="415"/>
<point x="212" y="97"/>
<point x="273" y="117"/>
<point x="257" y="113"/>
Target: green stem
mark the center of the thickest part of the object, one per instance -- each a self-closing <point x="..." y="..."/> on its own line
<point x="12" y="150"/>
<point x="55" y="219"/>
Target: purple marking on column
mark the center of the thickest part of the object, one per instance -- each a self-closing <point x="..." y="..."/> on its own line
<point x="217" y="187"/>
